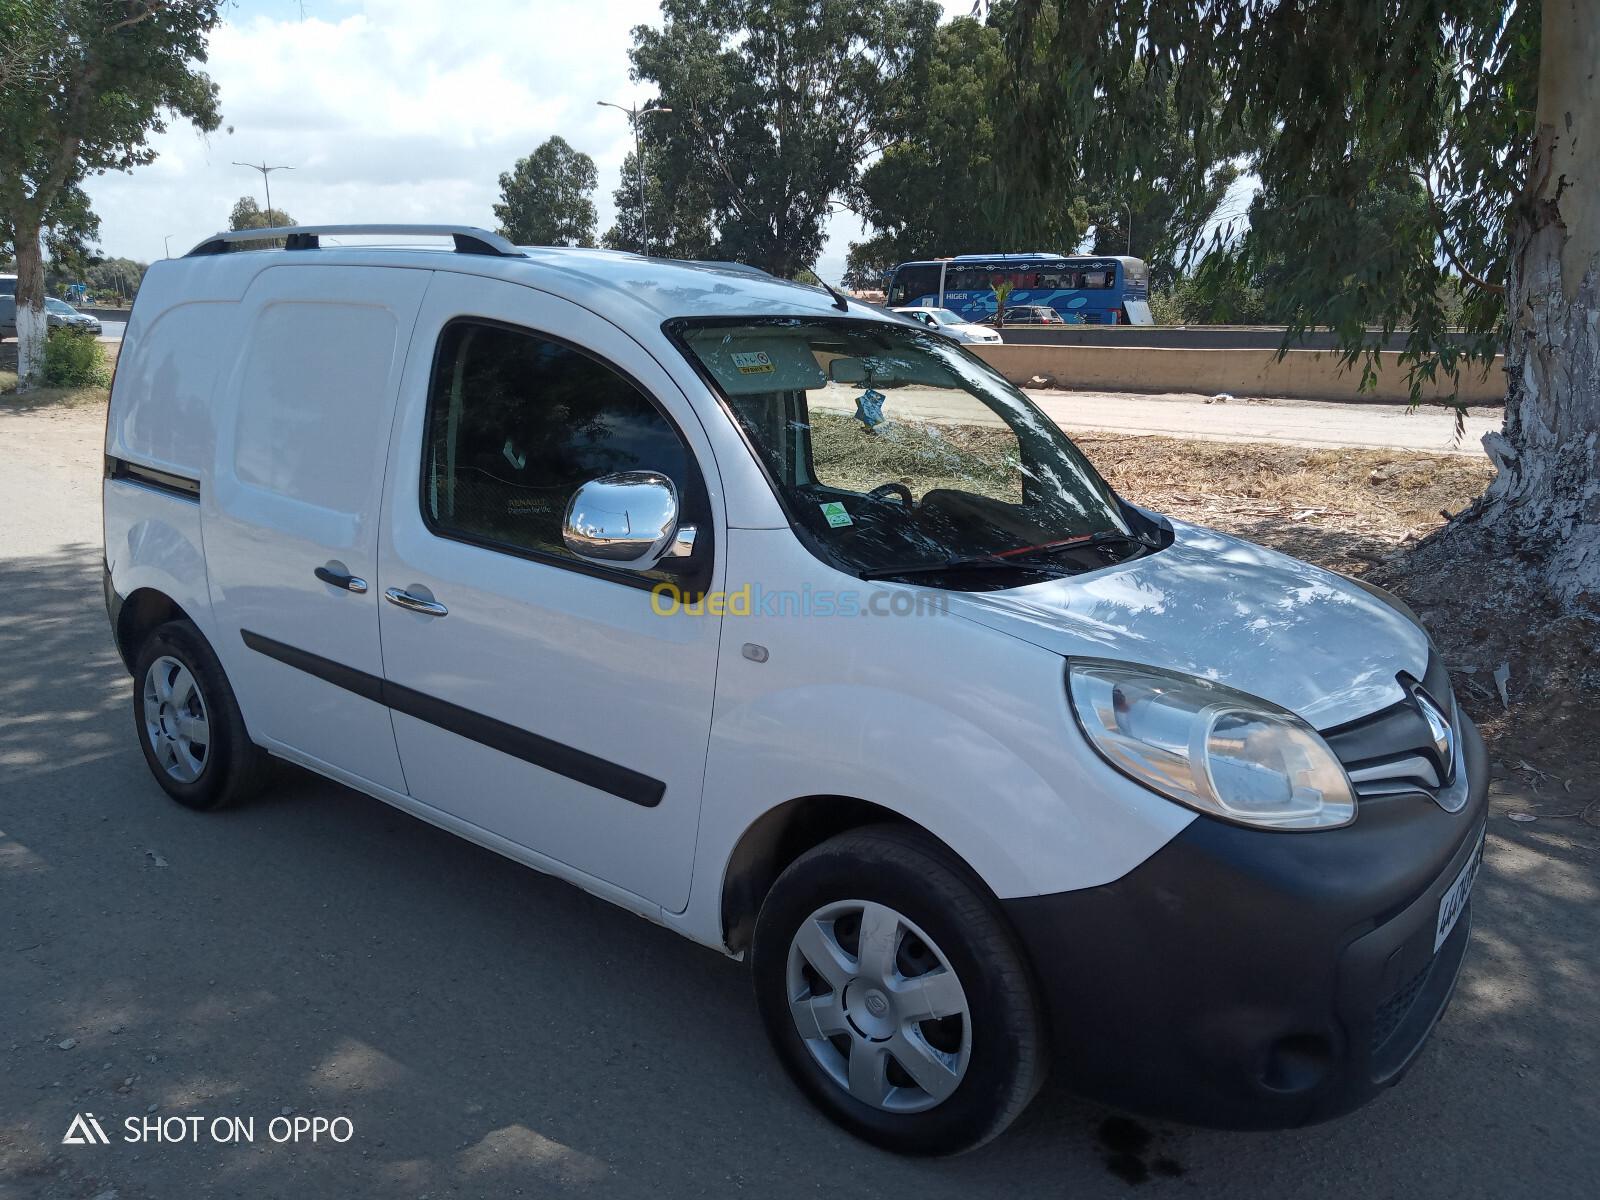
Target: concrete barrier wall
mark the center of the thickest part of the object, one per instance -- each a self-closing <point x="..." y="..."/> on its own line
<point x="1299" y="375"/>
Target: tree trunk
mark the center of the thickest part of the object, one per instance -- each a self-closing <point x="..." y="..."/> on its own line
<point x="1546" y="497"/>
<point x="31" y="325"/>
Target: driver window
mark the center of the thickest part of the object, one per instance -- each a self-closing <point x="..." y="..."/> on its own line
<point x="517" y="422"/>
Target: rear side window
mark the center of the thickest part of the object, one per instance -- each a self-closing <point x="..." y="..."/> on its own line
<point x="518" y="421"/>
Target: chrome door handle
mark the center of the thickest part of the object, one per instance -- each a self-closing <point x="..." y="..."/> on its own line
<point x="348" y="582"/>
<point x="416" y="604"/>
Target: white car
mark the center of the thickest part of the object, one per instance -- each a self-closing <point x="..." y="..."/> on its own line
<point x="952" y="325"/>
<point x="799" y="631"/>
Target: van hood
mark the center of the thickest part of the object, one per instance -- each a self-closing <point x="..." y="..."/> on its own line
<point x="1222" y="609"/>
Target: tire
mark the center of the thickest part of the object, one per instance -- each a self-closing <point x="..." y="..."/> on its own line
<point x="179" y="690"/>
<point x="990" y="1059"/>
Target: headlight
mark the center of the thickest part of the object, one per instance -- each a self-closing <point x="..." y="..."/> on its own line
<point x="1209" y="747"/>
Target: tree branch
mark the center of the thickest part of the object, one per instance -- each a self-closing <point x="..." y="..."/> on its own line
<point x="1449" y="250"/>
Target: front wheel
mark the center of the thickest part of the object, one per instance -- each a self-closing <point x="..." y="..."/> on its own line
<point x="895" y="995"/>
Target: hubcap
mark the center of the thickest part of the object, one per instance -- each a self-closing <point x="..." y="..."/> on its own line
<point x="879" y="1007"/>
<point x="175" y="720"/>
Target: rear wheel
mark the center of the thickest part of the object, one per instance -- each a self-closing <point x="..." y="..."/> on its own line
<point x="895" y="994"/>
<point x="189" y="725"/>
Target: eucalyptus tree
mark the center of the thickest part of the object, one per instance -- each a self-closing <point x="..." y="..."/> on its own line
<point x="776" y="107"/>
<point x="545" y="199"/>
<point x="247" y="214"/>
<point x="1490" y="110"/>
<point x="939" y="187"/>
<point x="97" y="78"/>
<point x="680" y="216"/>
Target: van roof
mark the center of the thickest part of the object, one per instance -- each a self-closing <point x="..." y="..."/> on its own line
<point x="617" y="284"/>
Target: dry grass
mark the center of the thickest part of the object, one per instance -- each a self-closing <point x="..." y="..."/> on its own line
<point x="1342" y="508"/>
<point x="48" y="397"/>
<point x="51" y="397"/>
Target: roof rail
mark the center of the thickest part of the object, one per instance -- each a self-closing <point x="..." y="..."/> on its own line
<point x="469" y="239"/>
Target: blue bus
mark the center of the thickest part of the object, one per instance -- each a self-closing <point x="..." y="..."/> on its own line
<point x="1084" y="289"/>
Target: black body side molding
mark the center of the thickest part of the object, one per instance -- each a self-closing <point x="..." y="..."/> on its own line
<point x="568" y="761"/>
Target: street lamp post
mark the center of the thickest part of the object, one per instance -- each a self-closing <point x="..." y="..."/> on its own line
<point x="166" y="241"/>
<point x="1130" y="228"/>
<point x="265" y="181"/>
<point x="634" y="113"/>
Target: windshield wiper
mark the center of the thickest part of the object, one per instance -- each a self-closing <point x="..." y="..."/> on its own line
<point x="1029" y="558"/>
<point x="984" y="562"/>
<point x="1103" y="537"/>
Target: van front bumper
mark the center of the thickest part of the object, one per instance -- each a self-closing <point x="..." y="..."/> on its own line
<point x="1249" y="979"/>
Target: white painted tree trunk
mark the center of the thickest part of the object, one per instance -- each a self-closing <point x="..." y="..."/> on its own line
<point x="32" y="327"/>
<point x="1546" y="498"/>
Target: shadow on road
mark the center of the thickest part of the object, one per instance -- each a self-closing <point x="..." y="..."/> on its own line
<point x="487" y="1029"/>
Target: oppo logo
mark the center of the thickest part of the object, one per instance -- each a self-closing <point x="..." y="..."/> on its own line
<point x="86" y="1130"/>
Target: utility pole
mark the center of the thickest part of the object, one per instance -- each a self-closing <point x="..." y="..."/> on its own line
<point x="634" y="113"/>
<point x="265" y="181"/>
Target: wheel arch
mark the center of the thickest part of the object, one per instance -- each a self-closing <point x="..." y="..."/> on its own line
<point x="781" y="835"/>
<point x="138" y="615"/>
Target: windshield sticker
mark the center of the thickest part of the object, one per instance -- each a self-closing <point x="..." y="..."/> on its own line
<point x="835" y="514"/>
<point x="753" y="362"/>
<point x="869" y="408"/>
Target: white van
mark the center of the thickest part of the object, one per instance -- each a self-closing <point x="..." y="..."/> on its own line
<point x="793" y="627"/>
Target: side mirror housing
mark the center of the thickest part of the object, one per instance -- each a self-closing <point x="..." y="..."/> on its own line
<point x="627" y="520"/>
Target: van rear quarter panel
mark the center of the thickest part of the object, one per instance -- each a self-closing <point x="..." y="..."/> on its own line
<point x="179" y="336"/>
<point x="152" y="540"/>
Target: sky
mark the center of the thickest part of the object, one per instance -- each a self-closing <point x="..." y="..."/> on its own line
<point x="392" y="111"/>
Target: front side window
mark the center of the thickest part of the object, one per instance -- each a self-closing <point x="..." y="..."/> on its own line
<point x="893" y="451"/>
<point x="518" y="422"/>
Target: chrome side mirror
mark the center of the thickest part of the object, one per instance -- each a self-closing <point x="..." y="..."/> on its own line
<point x="627" y="520"/>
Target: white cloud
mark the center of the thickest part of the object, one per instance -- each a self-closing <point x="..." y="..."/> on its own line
<point x="390" y="110"/>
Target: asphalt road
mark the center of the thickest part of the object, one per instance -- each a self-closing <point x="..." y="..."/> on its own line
<point x="491" y="1032"/>
<point x="1299" y="422"/>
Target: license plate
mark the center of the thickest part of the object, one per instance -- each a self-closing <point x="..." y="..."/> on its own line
<point x="1454" y="901"/>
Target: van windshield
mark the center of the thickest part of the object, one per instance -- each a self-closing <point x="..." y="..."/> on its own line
<point x="898" y="452"/>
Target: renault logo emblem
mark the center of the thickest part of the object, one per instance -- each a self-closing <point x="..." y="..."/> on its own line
<point x="1439" y="732"/>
